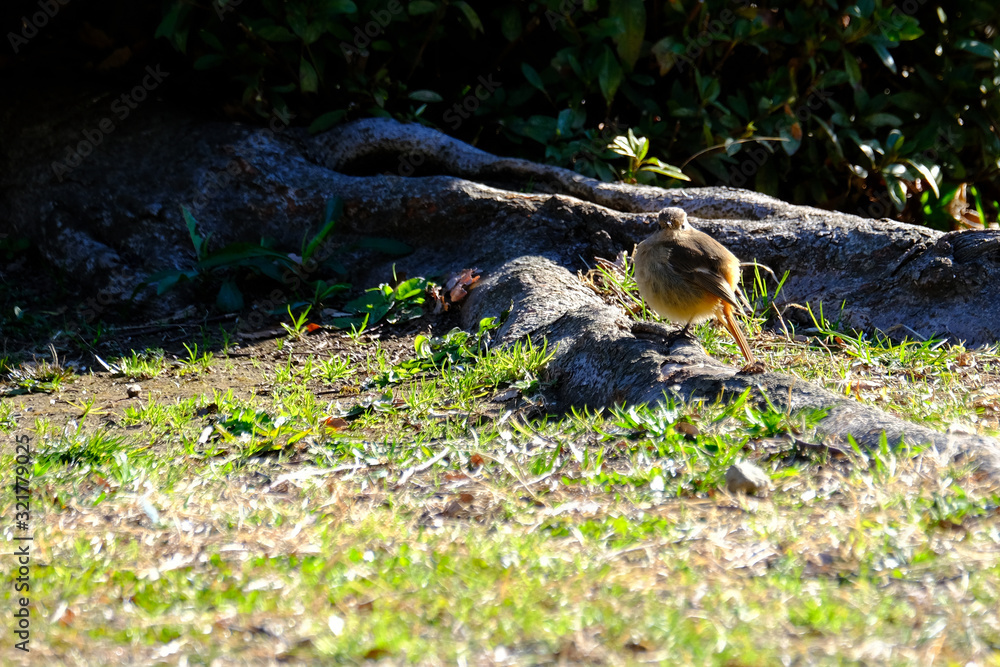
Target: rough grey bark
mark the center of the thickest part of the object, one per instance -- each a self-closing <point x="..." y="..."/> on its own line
<point x="115" y="218"/>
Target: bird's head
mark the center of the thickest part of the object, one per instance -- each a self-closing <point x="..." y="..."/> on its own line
<point x="673" y="218"/>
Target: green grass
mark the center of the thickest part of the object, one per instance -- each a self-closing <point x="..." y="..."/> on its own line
<point x="141" y="365"/>
<point x="376" y="502"/>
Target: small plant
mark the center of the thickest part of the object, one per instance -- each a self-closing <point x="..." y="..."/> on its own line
<point x="225" y="269"/>
<point x="38" y="376"/>
<point x="195" y="363"/>
<point x="399" y="304"/>
<point x="86" y="407"/>
<point x="333" y="369"/>
<point x="141" y="365"/>
<point x="771" y="422"/>
<point x="97" y="448"/>
<point x="300" y="325"/>
<point x="7" y="421"/>
<point x="226" y="265"/>
<point x="635" y="149"/>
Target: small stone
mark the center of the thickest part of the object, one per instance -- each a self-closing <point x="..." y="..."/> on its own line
<point x="745" y="477"/>
<point x="687" y="429"/>
<point x="133" y="390"/>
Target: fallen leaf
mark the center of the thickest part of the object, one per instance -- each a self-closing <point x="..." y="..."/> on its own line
<point x="336" y="423"/>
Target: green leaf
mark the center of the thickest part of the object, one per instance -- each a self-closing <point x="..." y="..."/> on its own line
<point x="209" y="61"/>
<point x="237" y="254"/>
<point x="369" y="300"/>
<point x="609" y="75"/>
<point x="879" y="119"/>
<point x="230" y="298"/>
<point x="211" y="40"/>
<point x="470" y="14"/>
<point x="422" y="345"/>
<point x="910" y="101"/>
<point x="425" y="96"/>
<point x="334" y="208"/>
<point x="897" y="191"/>
<point x="349" y="322"/>
<point x="869" y="153"/>
<point x="375" y="310"/>
<point x="308" y="80"/>
<point x="632" y="15"/>
<point x="410" y="288"/>
<point x="852" y="68"/>
<point x="167" y="280"/>
<point x="978" y="48"/>
<point x="926" y="175"/>
<point x="340" y="7"/>
<point x="510" y="23"/>
<point x="276" y="33"/>
<point x="326" y="121"/>
<point x="622" y="146"/>
<point x="656" y="166"/>
<point x="532" y="76"/>
<point x="169" y="26"/>
<point x="894" y="141"/>
<point x="884" y="55"/>
<point x="296" y="16"/>
<point x="313" y="32"/>
<point x="419" y="7"/>
<point x="196" y="239"/>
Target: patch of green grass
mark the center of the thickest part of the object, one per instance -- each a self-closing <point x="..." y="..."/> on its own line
<point x="143" y="365"/>
<point x="421" y="521"/>
<point x="7" y="421"/>
<point x="334" y="368"/>
<point x="195" y="363"/>
<point x="38" y="376"/>
<point x="80" y="447"/>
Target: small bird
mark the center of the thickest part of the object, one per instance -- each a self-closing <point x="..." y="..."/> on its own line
<point x="686" y="276"/>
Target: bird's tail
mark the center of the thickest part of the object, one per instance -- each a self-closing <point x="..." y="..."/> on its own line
<point x="737" y="333"/>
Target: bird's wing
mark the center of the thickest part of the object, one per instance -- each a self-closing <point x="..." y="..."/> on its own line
<point x="704" y="271"/>
<point x="713" y="283"/>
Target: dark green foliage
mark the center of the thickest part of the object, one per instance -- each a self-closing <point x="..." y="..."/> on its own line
<point x="860" y="107"/>
<point x="394" y="304"/>
<point x="225" y="271"/>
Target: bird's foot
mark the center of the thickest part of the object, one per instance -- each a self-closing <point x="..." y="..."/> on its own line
<point x="754" y="368"/>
